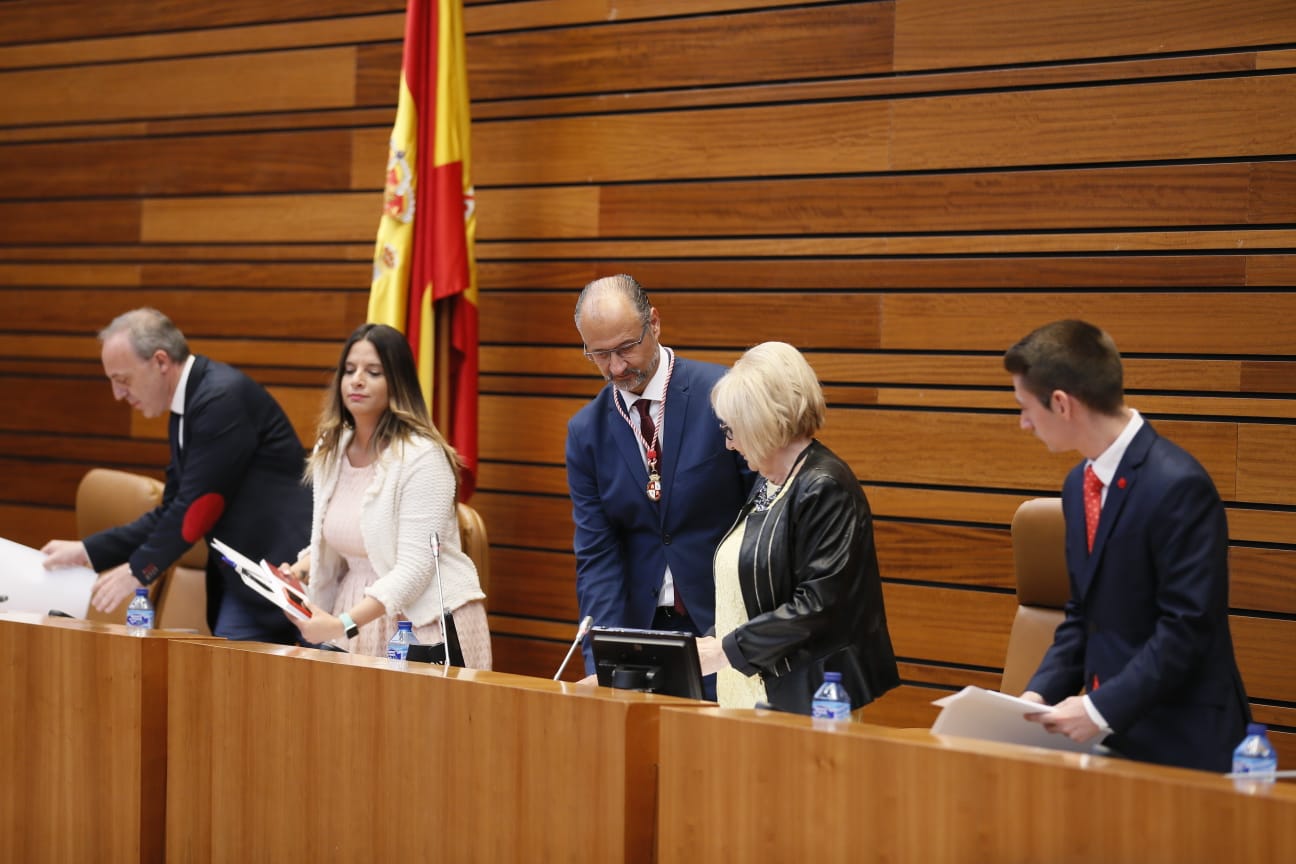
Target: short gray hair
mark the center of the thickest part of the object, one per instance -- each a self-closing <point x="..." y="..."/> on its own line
<point x="148" y="330"/>
<point x="772" y="396"/>
<point x="622" y="284"/>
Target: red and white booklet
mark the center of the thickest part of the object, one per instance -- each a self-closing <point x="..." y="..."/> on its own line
<point x="273" y="583"/>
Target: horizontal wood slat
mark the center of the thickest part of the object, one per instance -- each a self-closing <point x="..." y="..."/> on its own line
<point x="316" y="314"/>
<point x="944" y="33"/>
<point x="33" y="20"/>
<point x="1234" y="322"/>
<point x="262" y="162"/>
<point x="1162" y="120"/>
<point x="273" y="81"/>
<point x="703" y="51"/>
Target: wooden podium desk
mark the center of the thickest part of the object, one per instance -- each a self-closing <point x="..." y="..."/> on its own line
<point x="293" y="754"/>
<point x="82" y="740"/>
<point x="758" y="786"/>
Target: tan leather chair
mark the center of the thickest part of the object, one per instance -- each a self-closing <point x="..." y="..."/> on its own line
<point x="472" y="539"/>
<point x="1039" y="559"/>
<point x="107" y="498"/>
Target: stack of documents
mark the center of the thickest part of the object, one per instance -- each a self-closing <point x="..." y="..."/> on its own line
<point x="26" y="586"/>
<point x="992" y="716"/>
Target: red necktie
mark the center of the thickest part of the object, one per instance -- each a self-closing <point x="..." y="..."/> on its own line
<point x="649" y="431"/>
<point x="1093" y="503"/>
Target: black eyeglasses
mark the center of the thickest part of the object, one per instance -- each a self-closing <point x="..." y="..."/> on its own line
<point x="728" y="433"/>
<point x="603" y="355"/>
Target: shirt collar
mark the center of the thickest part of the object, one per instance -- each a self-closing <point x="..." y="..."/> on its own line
<point x="656" y="388"/>
<point x="178" y="400"/>
<point x="1109" y="460"/>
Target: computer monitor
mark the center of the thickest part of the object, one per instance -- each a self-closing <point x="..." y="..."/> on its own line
<point x="654" y="661"/>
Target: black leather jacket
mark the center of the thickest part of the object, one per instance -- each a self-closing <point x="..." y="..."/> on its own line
<point x="810" y="582"/>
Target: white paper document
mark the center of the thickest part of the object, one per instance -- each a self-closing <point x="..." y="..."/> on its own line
<point x="991" y="716"/>
<point x="26" y="586"/>
<point x="269" y="581"/>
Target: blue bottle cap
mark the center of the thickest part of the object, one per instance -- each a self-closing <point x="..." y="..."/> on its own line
<point x="141" y="592"/>
<point x="832" y="676"/>
<point x="1256" y="729"/>
<point x="405" y="625"/>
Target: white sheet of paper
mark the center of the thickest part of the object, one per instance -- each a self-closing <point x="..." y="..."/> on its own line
<point x="991" y="716"/>
<point x="258" y="576"/>
<point x="26" y="586"/>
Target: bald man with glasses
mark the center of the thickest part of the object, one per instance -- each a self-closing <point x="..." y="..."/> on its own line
<point x="652" y="484"/>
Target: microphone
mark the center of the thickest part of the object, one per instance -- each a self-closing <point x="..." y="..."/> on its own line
<point x="436" y="559"/>
<point x="586" y="623"/>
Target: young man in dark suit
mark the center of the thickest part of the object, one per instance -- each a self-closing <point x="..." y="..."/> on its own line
<point x="1146" y="633"/>
<point x="235" y="475"/>
<point x="652" y="484"/>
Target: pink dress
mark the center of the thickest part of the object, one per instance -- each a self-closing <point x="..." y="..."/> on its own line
<point x="341" y="530"/>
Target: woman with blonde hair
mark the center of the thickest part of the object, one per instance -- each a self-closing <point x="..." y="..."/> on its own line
<point x="385" y="482"/>
<point x="798" y="591"/>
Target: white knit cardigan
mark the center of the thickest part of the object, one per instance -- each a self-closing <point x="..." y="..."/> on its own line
<point x="411" y="495"/>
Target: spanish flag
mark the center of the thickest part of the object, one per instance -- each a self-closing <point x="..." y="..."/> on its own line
<point x="425" y="275"/>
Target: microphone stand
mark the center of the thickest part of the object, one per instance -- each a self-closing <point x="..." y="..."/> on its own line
<point x="585" y="624"/>
<point x="436" y="559"/>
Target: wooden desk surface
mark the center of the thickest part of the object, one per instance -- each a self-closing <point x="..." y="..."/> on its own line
<point x="759" y="786"/>
<point x="283" y="753"/>
<point x="83" y="726"/>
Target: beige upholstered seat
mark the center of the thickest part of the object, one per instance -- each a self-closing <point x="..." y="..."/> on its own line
<point x="1039" y="558"/>
<point x="472" y="539"/>
<point x="107" y="498"/>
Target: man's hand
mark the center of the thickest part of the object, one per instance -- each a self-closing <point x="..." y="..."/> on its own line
<point x="1068" y="718"/>
<point x="64" y="553"/>
<point x="113" y="587"/>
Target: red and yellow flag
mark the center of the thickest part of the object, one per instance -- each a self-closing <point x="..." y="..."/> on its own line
<point x="425" y="275"/>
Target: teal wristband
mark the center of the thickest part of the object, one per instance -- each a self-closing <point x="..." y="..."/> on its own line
<point x="349" y="625"/>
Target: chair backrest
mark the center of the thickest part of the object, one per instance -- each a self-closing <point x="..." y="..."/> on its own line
<point x="472" y="539"/>
<point x="107" y="498"/>
<point x="1039" y="559"/>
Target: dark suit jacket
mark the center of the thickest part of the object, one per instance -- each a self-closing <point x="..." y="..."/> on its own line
<point x="1148" y="614"/>
<point x="623" y="541"/>
<point x="238" y="479"/>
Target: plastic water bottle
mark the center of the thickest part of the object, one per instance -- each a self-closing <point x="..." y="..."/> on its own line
<point x="1255" y="755"/>
<point x="139" y="614"/>
<point x="831" y="702"/>
<point x="398" y="647"/>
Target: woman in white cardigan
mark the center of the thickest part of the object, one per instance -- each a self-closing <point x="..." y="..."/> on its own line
<point x="385" y="480"/>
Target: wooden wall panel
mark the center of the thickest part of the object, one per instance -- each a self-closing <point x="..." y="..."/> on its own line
<point x="272" y="218"/>
<point x="741" y="142"/>
<point x="945" y="33"/>
<point x="39" y="20"/>
<point x="901" y="188"/>
<point x="767" y="45"/>
<point x="1170" y="120"/>
<point x="266" y="162"/>
<point x="275" y="81"/>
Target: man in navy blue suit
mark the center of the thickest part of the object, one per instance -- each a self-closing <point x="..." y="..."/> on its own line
<point x="235" y="474"/>
<point x="653" y="486"/>
<point x="1146" y="632"/>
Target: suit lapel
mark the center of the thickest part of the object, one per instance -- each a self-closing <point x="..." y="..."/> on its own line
<point x="626" y="441"/>
<point x="677" y="408"/>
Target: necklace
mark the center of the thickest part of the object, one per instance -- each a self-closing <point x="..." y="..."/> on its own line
<point x="651" y="448"/>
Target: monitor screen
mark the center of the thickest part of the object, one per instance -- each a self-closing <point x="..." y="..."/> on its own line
<point x="654" y="661"/>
